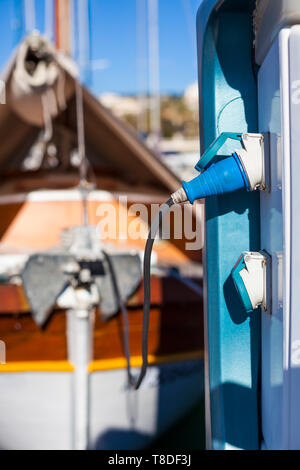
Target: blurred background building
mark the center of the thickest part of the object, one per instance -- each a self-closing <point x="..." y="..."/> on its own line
<point x="131" y="55"/>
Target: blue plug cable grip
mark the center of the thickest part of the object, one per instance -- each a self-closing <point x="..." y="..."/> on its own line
<point x="223" y="177"/>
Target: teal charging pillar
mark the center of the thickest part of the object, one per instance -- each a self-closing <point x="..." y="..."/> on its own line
<point x="228" y="103"/>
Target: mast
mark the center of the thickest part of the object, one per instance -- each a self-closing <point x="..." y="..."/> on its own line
<point x="18" y="22"/>
<point x="30" y="19"/>
<point x="49" y="20"/>
<point x="80" y="317"/>
<point x="154" y="81"/>
<point x="63" y="26"/>
<point x="141" y="11"/>
<point x="84" y="40"/>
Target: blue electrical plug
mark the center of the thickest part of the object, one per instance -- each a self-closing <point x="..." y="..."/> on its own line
<point x="225" y="176"/>
<point x="245" y="168"/>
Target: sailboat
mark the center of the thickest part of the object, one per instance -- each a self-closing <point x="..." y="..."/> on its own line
<point x="64" y="161"/>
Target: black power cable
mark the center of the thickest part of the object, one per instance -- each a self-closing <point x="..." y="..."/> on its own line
<point x="156" y="224"/>
<point x="155" y="227"/>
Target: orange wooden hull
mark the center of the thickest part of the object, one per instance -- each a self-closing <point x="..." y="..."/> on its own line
<point x="35" y="224"/>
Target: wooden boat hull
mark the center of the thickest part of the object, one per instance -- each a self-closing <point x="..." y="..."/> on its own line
<point x="36" y="407"/>
<point x="37" y="381"/>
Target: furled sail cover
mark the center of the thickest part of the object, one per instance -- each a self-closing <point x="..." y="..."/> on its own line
<point x="39" y="118"/>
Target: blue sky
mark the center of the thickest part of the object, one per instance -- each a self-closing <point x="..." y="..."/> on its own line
<point x="114" y="39"/>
